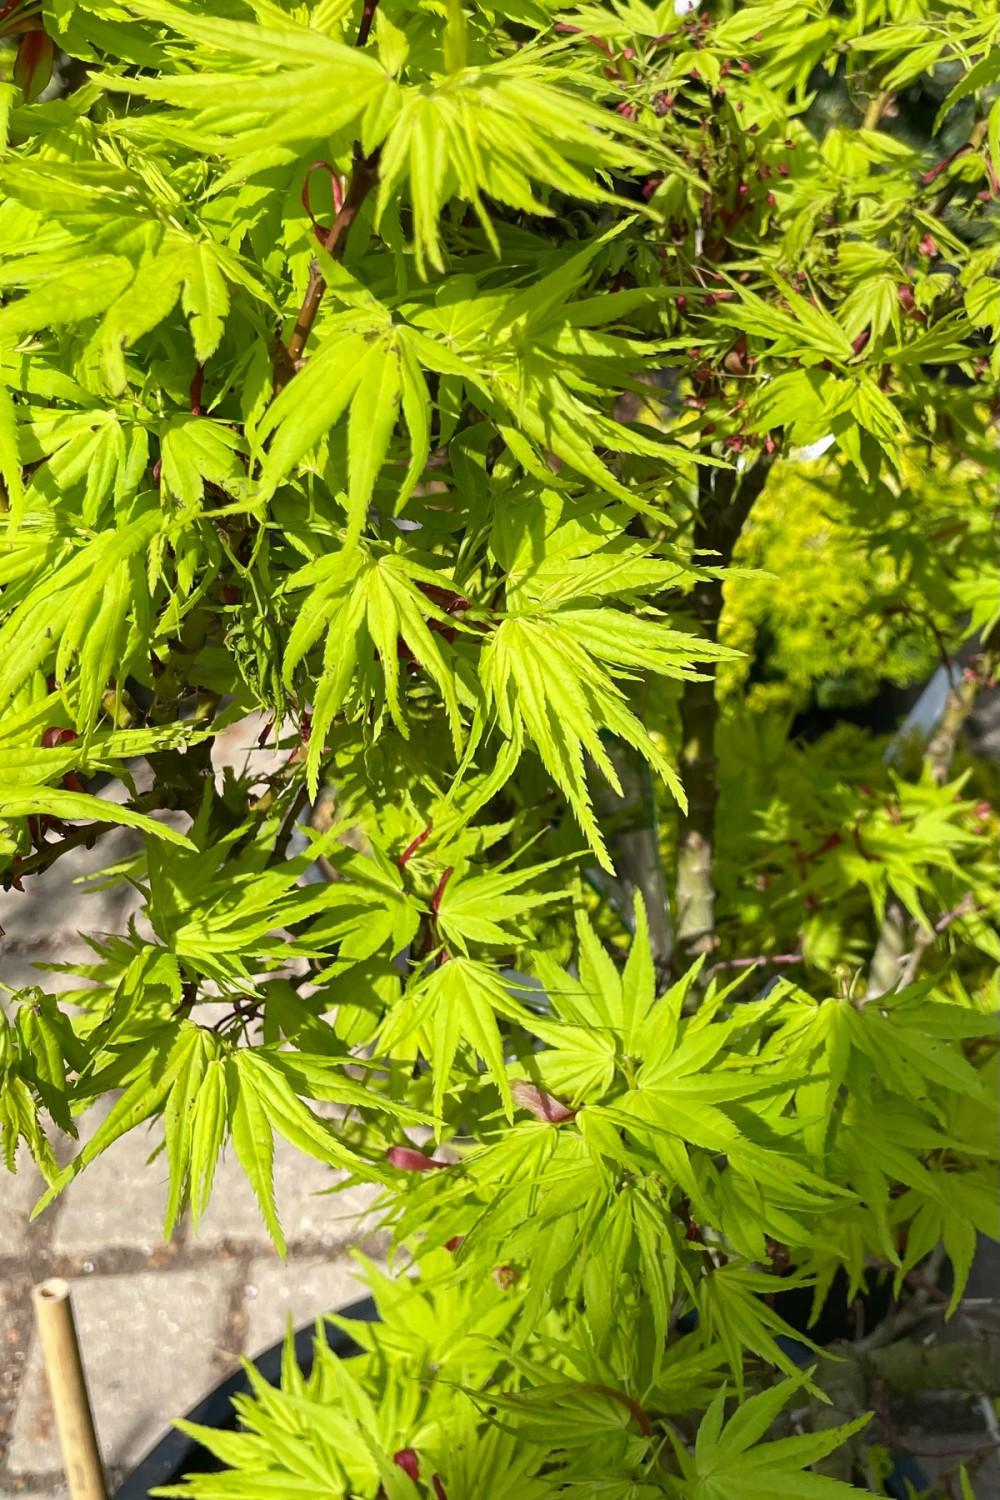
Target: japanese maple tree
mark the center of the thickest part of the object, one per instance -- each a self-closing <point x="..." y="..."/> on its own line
<point x="559" y="426"/>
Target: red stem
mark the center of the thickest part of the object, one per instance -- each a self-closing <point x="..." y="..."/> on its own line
<point x="364" y="175"/>
<point x="439" y="891"/>
<point x="413" y="846"/>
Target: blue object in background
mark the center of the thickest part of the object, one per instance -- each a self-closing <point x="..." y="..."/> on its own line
<point x="907" y="1477"/>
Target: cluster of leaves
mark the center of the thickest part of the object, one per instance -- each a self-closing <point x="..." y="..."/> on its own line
<point x="873" y="582"/>
<point x="836" y="830"/>
<point x="406" y="379"/>
<point x="561" y="1421"/>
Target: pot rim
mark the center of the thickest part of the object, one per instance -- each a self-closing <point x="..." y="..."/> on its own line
<point x="176" y="1453"/>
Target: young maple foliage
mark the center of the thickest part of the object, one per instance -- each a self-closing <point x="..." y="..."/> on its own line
<point x="571" y="432"/>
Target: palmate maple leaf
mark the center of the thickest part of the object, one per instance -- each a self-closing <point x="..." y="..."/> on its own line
<point x="551" y="679"/>
<point x="730" y="1462"/>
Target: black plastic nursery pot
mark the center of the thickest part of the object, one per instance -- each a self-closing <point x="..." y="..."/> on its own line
<point x="176" y="1454"/>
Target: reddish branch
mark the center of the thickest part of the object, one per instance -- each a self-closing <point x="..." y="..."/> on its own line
<point x="782" y="959"/>
<point x="367" y="17"/>
<point x="944" y="197"/>
<point x="364" y="175"/>
<point x="642" y="1420"/>
<point x="413" y="846"/>
<point x="439" y="891"/>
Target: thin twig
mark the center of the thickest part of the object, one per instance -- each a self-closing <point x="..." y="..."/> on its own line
<point x="725" y="501"/>
<point x="908" y="1315"/>
<point x="367" y="17"/>
<point x="989" y="1417"/>
<point x="941" y="746"/>
<point x="877" y="106"/>
<point x="364" y="175"/>
<point x="289" y="824"/>
<point x="926" y="937"/>
<point x="33" y="864"/>
<point x="783" y="959"/>
<point x="920" y="1450"/>
<point x="49" y="853"/>
<point x="976" y="138"/>
<point x="889" y="952"/>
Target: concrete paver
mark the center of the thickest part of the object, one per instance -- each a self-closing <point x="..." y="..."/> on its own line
<point x="18" y="1195"/>
<point x="307" y="1210"/>
<point x="303" y="1290"/>
<point x="150" y="1343"/>
<point x="18" y="966"/>
<point x="118" y="1191"/>
<point x="239" y="747"/>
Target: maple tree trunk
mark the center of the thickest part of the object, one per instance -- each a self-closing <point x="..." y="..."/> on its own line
<point x="631" y="829"/>
<point x="725" y="501"/>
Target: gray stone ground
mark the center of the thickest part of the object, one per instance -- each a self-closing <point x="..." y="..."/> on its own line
<point x="159" y="1324"/>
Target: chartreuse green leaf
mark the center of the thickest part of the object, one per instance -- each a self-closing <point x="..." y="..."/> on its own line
<point x="10" y="464"/>
<point x="369" y="375"/>
<point x="549" y="678"/>
<point x="308" y="408"/>
<point x="148" y="1071"/>
<point x="339" y="82"/>
<point x="196" y="454"/>
<point x="484" y="908"/>
<point x="180" y="268"/>
<point x="79" y="615"/>
<point x="182" y="1116"/>
<point x="28" y="801"/>
<point x="253" y="1142"/>
<point x="731" y="1463"/>
<point x="741" y="1319"/>
<point x="37" y="1051"/>
<point x="460" y="1003"/>
<point x="260" y="43"/>
<point x="502" y="132"/>
<point x="370" y="427"/>
<point x="208" y="1126"/>
<point x="262" y="1101"/>
<point x="72" y="295"/>
<point x="20" y="1120"/>
<point x="205" y="298"/>
<point x="364" y="603"/>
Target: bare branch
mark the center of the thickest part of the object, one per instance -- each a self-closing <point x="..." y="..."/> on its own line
<point x="632" y="831"/>
<point x="972" y="1365"/>
<point x="779" y="960"/>
<point x="889" y="952"/>
<point x="88" y="834"/>
<point x="364" y="175"/>
<point x="877" y="106"/>
<point x="926" y="937"/>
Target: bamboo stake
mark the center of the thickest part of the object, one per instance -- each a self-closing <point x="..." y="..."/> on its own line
<point x="64" y="1368"/>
